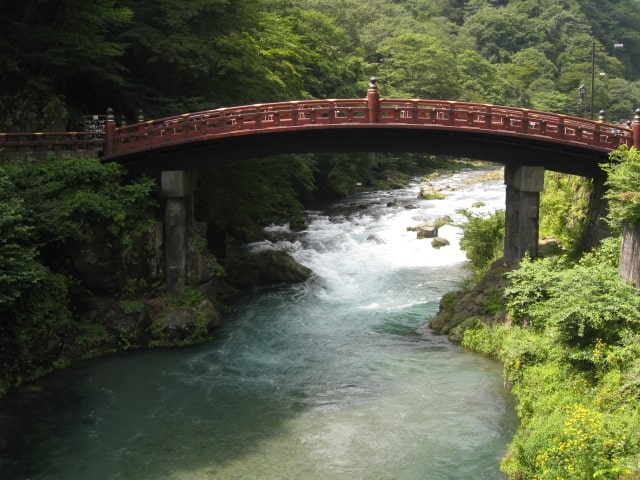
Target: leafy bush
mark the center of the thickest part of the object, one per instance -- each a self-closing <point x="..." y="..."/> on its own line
<point x="19" y="268"/>
<point x="583" y="302"/>
<point x="531" y="284"/>
<point x="564" y="205"/>
<point x="47" y="209"/>
<point x="623" y="182"/>
<point x="484" y="338"/>
<point x="483" y="238"/>
<point x="69" y="199"/>
<point x="572" y="359"/>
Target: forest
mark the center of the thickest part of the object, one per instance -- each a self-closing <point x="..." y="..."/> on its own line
<point x="61" y="60"/>
<point x="570" y="346"/>
<point x="64" y="59"/>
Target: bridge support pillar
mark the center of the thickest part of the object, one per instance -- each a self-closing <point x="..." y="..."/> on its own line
<point x="524" y="185"/>
<point x="177" y="189"/>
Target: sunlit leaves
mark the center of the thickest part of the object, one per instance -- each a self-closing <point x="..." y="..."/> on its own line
<point x="623" y="180"/>
<point x="483" y="237"/>
<point x="419" y="66"/>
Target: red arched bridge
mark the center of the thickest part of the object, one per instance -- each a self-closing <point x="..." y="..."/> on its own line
<point x="526" y="141"/>
<point x="501" y="134"/>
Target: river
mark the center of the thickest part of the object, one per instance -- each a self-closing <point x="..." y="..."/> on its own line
<point x="334" y="379"/>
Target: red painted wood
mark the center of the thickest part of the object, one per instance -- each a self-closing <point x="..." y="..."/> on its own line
<point x="392" y="113"/>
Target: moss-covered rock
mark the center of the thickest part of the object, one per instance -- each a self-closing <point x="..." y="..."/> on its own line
<point x="265" y="267"/>
<point x="482" y="302"/>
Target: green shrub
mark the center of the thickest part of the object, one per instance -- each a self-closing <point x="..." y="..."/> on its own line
<point x="47" y="209"/>
<point x="483" y="238"/>
<point x="564" y="205"/>
<point x="484" y="338"/>
<point x="623" y="182"/>
<point x="582" y="301"/>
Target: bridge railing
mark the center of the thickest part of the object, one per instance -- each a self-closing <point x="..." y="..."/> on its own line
<point x="309" y="114"/>
<point x="39" y="142"/>
<point x="507" y="120"/>
<point x="237" y="120"/>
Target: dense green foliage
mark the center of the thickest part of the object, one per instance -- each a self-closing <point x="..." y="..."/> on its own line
<point x="483" y="238"/>
<point x="571" y="356"/>
<point x="47" y="211"/>
<point x="564" y="205"/>
<point x="623" y="180"/>
<point x="571" y="352"/>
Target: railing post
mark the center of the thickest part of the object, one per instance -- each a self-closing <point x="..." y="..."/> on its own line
<point x="635" y="129"/>
<point x="373" y="101"/>
<point x="602" y="117"/>
<point x="110" y="134"/>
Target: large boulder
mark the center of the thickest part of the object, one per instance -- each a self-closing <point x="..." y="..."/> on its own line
<point x="184" y="323"/>
<point x="439" y="242"/>
<point x="265" y="267"/>
<point x="427" y="230"/>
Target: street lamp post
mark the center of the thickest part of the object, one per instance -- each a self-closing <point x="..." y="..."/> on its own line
<point x="593" y="69"/>
<point x="582" y="91"/>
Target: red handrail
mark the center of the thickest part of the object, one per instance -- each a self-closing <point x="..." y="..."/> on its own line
<point x="328" y="113"/>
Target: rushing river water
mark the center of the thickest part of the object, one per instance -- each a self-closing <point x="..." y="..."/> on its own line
<point x="333" y="379"/>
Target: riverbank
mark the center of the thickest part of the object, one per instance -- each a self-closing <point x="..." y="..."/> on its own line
<point x="567" y="335"/>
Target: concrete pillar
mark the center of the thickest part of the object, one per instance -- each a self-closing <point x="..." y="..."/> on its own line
<point x="629" y="267"/>
<point x="177" y="189"/>
<point x="524" y="185"/>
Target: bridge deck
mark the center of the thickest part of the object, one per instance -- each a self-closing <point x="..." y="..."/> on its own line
<point x="323" y="118"/>
<point x="427" y="114"/>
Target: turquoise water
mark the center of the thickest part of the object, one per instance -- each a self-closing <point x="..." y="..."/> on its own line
<point x="333" y="379"/>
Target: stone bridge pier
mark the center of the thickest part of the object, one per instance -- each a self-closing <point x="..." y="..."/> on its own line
<point x="177" y="188"/>
<point x="524" y="184"/>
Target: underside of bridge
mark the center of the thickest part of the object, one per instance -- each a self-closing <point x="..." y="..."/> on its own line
<point x="500" y="148"/>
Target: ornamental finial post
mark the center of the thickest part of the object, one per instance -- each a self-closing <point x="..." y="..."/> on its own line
<point x="373" y="100"/>
<point x="635" y="129"/>
<point x="602" y="116"/>
<point x="109" y="134"/>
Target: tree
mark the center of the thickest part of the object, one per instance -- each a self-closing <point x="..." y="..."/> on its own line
<point x="57" y="51"/>
<point x="483" y="238"/>
<point x="418" y="66"/>
<point x="499" y="32"/>
<point x="19" y="268"/>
